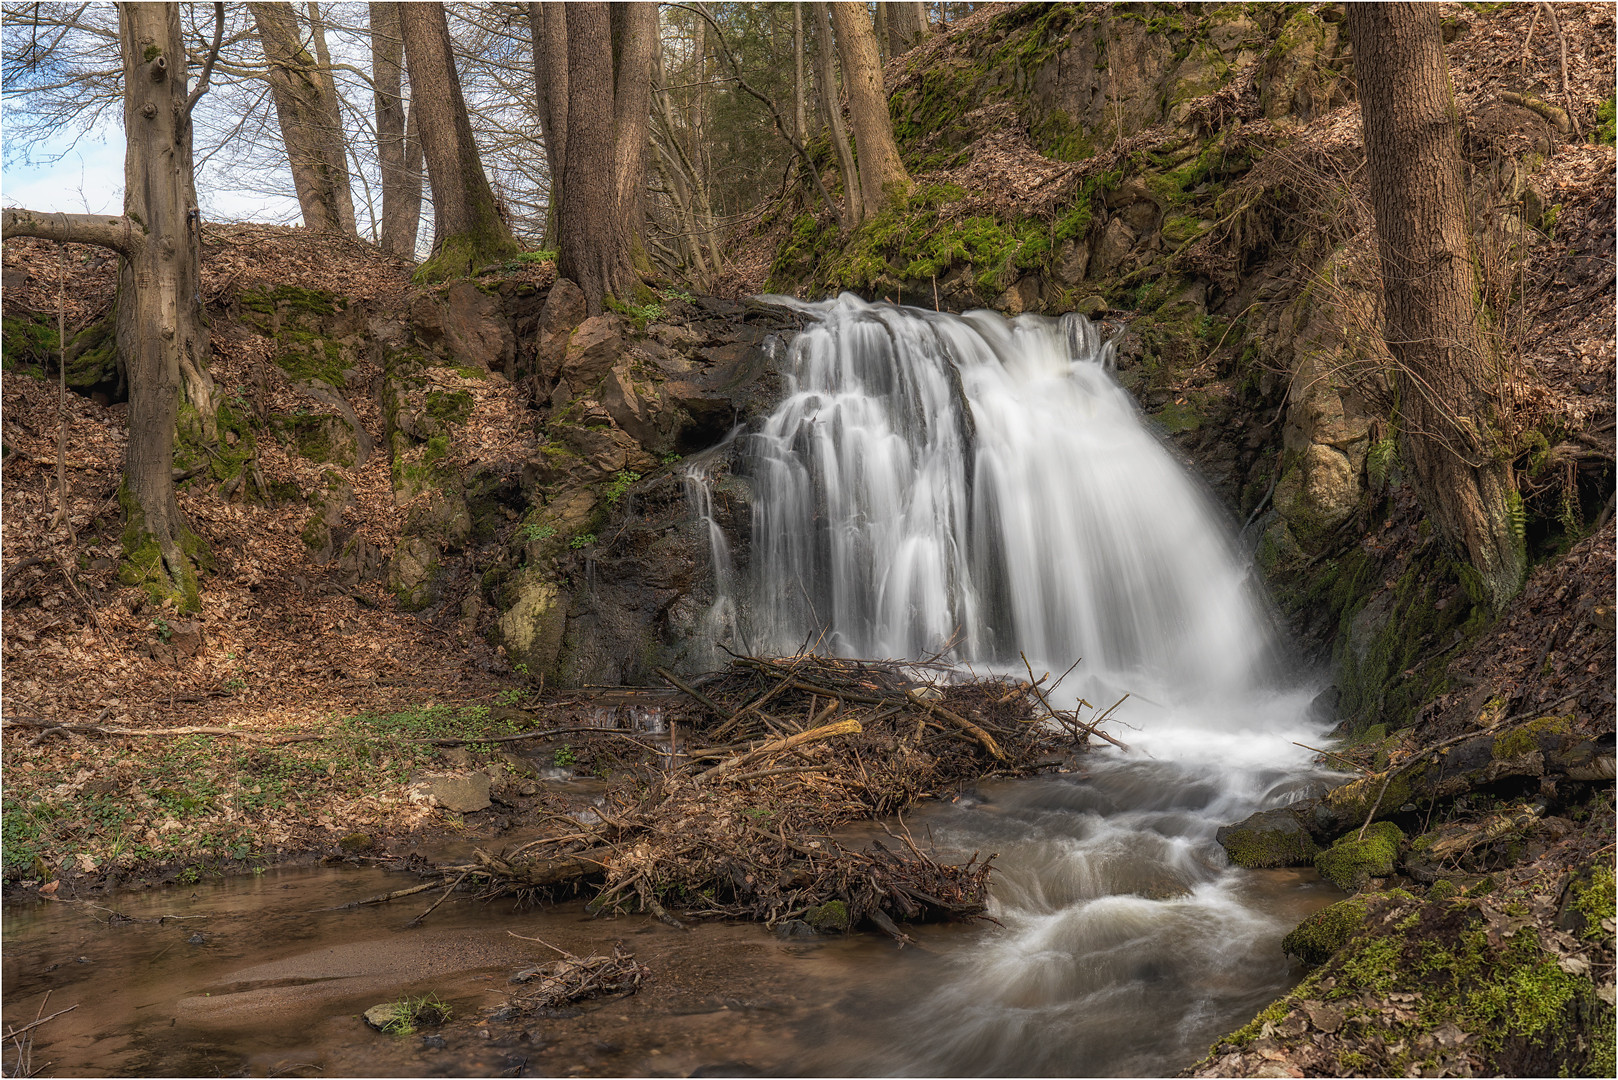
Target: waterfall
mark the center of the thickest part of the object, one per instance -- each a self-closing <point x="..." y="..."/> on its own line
<point x="984" y="488"/>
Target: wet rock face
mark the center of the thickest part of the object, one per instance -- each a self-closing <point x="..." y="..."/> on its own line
<point x="607" y="577"/>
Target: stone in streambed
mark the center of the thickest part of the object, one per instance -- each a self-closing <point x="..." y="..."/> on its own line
<point x="1268" y="838"/>
<point x="461" y="794"/>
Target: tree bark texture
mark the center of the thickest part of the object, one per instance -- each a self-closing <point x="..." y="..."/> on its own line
<point x="907" y="25"/>
<point x="547" y="24"/>
<point x="311" y="125"/>
<point x="883" y="179"/>
<point x="468" y="229"/>
<point x="596" y="232"/>
<point x="1449" y="373"/>
<point x="800" y="120"/>
<point x="159" y="323"/>
<point x="634" y="34"/>
<point x="397" y="147"/>
<point x="825" y="76"/>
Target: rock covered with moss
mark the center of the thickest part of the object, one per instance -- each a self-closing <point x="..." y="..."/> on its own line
<point x="1268" y="838"/>
<point x="1447" y="985"/>
<point x="1354" y="859"/>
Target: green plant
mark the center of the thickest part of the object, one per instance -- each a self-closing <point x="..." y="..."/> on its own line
<point x="164" y="630"/>
<point x="620" y="484"/>
<point x="408" y="1012"/>
<point x="564" y="758"/>
<point x="508" y="697"/>
<point x="534" y="531"/>
<point x="582" y="541"/>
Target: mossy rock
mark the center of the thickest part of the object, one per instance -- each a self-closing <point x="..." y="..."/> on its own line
<point x="1351" y="861"/>
<point x="1268" y="838"/>
<point x="829" y="918"/>
<point x="1314" y="940"/>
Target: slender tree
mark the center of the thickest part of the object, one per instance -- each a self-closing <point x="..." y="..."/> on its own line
<point x="883" y="179"/>
<point x="468" y="229"/>
<point x="547" y="24"/>
<point x="826" y="80"/>
<point x="398" y="149"/>
<point x="160" y="330"/>
<point x="907" y="24"/>
<point x="1448" y="371"/>
<point x="311" y="124"/>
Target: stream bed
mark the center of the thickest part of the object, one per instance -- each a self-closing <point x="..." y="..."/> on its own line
<point x="1123" y="945"/>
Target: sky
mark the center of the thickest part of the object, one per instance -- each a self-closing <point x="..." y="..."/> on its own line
<point x="89" y="179"/>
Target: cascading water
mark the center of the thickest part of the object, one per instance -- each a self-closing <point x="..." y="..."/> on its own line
<point x="984" y="489"/>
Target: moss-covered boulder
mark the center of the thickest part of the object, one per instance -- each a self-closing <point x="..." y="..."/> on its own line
<point x="1354" y="860"/>
<point x="531" y="629"/>
<point x="828" y="918"/>
<point x="1320" y="935"/>
<point x="1268" y="838"/>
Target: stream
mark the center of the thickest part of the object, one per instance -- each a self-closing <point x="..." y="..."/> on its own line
<point x="970" y="487"/>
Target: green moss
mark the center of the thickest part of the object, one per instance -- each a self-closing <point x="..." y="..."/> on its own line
<point x="1256" y="848"/>
<point x="29" y="342"/>
<point x="1320" y="935"/>
<point x="829" y="918"/>
<point x="1350" y="862"/>
<point x="449" y="407"/>
<point x="142" y="566"/>
<point x="460" y="255"/>
<point x="1606" y="131"/>
<point x="289" y="298"/>
<point x="1593" y="897"/>
<point x="1525" y="738"/>
<point x="152" y="53"/>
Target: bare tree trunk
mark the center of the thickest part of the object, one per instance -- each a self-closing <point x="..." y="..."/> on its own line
<point x="883" y="179"/>
<point x="311" y="125"/>
<point x="398" y="150"/>
<point x="547" y="23"/>
<point x="881" y="32"/>
<point x="596" y="236"/>
<point x="1448" y="370"/>
<point x="800" y="124"/>
<point x="825" y="75"/>
<point x="468" y="229"/>
<point x="907" y="25"/>
<point x="634" y="32"/>
<point x="160" y="329"/>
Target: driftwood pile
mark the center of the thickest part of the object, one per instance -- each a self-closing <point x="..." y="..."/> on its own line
<point x="767" y="758"/>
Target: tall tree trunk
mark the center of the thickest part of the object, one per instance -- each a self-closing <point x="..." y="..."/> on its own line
<point x="601" y="202"/>
<point x="1449" y="373"/>
<point x="883" y="179"/>
<point x="634" y="34"/>
<point x="468" y="229"/>
<point x="825" y="76"/>
<point x="881" y="30"/>
<point x="547" y="24"/>
<point x="311" y="125"/>
<point x="907" y="25"/>
<point x="397" y="147"/>
<point x="800" y="121"/>
<point x="160" y="329"/>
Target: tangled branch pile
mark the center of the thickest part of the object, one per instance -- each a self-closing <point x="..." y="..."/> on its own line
<point x="769" y="758"/>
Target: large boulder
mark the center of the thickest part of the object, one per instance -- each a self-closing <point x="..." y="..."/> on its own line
<point x="591" y="352"/>
<point x="468" y="325"/>
<point x="563" y="311"/>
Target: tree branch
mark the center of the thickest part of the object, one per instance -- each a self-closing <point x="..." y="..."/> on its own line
<point x="118" y="233"/>
<point x="207" y="67"/>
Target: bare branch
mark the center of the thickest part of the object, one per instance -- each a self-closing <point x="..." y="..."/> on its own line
<point x="207" y="67"/>
<point x="102" y="230"/>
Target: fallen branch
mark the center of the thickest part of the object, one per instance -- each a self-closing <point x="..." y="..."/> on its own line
<point x="99" y="729"/>
<point x="791" y="742"/>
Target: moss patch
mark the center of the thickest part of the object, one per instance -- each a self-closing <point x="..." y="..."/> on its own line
<point x="1350" y="862"/>
<point x="1320" y="935"/>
